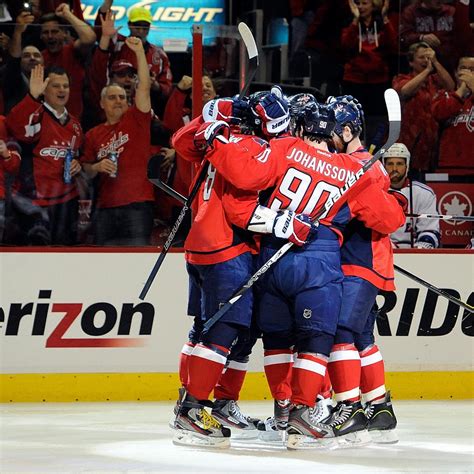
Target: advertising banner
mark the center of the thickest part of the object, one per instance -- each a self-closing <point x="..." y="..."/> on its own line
<point x="172" y="19"/>
<point x="79" y="312"/>
<point x="455" y="199"/>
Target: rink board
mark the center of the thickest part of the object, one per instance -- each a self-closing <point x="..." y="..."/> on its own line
<point x="72" y="327"/>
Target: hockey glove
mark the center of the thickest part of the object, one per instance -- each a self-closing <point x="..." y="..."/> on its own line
<point x="210" y="131"/>
<point x="229" y="110"/>
<point x="296" y="228"/>
<point x="273" y="112"/>
<point x="401" y="198"/>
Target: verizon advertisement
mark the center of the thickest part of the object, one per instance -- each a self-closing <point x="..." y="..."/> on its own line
<point x="79" y="312"/>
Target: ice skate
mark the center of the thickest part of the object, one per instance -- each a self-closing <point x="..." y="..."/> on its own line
<point x="229" y="414"/>
<point x="281" y="410"/>
<point x="348" y="423"/>
<point x="322" y="410"/>
<point x="382" y="421"/>
<point x="304" y="432"/>
<point x="268" y="432"/>
<point x="196" y="427"/>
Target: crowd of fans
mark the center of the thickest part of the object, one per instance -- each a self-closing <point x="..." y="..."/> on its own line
<point x="75" y="149"/>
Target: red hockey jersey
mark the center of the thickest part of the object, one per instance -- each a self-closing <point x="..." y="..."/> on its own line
<point x="367" y="250"/>
<point x="303" y="177"/>
<point x="32" y="122"/>
<point x="221" y="211"/>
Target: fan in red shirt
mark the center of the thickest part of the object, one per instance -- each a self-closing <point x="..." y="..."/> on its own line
<point x="417" y="89"/>
<point x="48" y="205"/>
<point x="118" y="152"/>
<point x="68" y="56"/>
<point x="455" y="111"/>
<point x="9" y="163"/>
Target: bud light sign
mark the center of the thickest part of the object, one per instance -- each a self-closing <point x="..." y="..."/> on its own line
<point x="171" y="19"/>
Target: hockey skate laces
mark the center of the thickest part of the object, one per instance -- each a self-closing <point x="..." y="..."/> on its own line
<point x="342" y="415"/>
<point x="208" y="421"/>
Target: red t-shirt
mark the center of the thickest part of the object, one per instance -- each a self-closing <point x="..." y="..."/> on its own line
<point x="31" y="122"/>
<point x="419" y="130"/>
<point x="456" y="116"/>
<point x="70" y="60"/>
<point x="130" y="138"/>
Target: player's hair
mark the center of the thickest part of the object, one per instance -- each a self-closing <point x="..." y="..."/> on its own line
<point x="414" y="48"/>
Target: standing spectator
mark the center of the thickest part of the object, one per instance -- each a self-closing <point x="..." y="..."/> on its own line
<point x="68" y="56"/>
<point x="50" y="6"/>
<point x="49" y="213"/>
<point x="122" y="72"/>
<point x="368" y="43"/>
<point x="139" y="22"/>
<point x="124" y="214"/>
<point x="20" y="64"/>
<point x="455" y="111"/>
<point x="9" y="163"/>
<point x="417" y="89"/>
<point x="445" y="28"/>
<point x="418" y="233"/>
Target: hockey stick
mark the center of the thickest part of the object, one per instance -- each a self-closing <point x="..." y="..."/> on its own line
<point x="392" y="102"/>
<point x="187" y="205"/>
<point x="434" y="289"/>
<point x="252" y="51"/>
<point x="168" y="190"/>
<point x="443" y="217"/>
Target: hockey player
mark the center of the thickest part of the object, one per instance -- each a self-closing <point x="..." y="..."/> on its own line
<point x="417" y="233"/>
<point x="303" y="292"/>
<point x="355" y="364"/>
<point x="219" y="261"/>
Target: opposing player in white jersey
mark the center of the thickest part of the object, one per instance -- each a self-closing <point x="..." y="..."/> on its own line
<point x="417" y="233"/>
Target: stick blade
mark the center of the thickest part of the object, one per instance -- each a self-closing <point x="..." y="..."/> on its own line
<point x="249" y="40"/>
<point x="392" y="102"/>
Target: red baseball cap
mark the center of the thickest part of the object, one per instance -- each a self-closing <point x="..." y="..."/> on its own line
<point x="121" y="65"/>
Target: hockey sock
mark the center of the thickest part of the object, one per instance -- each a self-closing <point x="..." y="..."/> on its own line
<point x="183" y="362"/>
<point x="278" y="368"/>
<point x="204" y="368"/>
<point x="344" y="370"/>
<point x="372" y="380"/>
<point x="308" y="376"/>
<point x="326" y="389"/>
<point x="231" y="381"/>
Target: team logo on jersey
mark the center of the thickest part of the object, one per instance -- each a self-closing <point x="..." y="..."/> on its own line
<point x="467" y="118"/>
<point x="307" y="313"/>
<point x="455" y="203"/>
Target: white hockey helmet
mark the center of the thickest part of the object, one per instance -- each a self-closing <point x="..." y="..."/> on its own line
<point x="398" y="150"/>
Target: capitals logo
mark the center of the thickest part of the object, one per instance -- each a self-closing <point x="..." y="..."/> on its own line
<point x="455" y="203"/>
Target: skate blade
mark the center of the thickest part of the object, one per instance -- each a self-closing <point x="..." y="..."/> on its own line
<point x="296" y="441"/>
<point x="242" y="435"/>
<point x="384" y="436"/>
<point x="188" y="438"/>
<point x="355" y="439"/>
<point x="272" y="437"/>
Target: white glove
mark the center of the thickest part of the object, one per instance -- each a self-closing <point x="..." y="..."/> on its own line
<point x="424" y="245"/>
